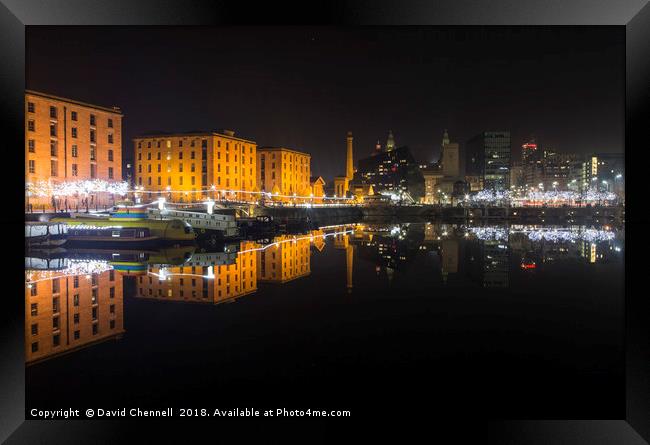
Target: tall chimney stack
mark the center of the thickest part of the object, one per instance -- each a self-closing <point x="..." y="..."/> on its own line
<point x="349" y="166"/>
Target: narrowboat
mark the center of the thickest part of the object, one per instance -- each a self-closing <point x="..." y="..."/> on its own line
<point x="127" y="225"/>
<point x="135" y="261"/>
<point x="45" y="235"/>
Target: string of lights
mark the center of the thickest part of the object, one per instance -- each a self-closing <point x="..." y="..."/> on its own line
<point x="72" y="267"/>
<point x="543" y="234"/>
<point x="44" y="189"/>
<point x="163" y="274"/>
<point x="270" y="195"/>
<point x="550" y="196"/>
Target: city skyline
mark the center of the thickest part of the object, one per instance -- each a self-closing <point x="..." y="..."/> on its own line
<point x="301" y="88"/>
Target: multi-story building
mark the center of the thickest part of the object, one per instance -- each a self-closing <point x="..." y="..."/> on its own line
<point x="432" y="177"/>
<point x="67" y="312"/>
<point x="394" y="171"/>
<point x="186" y="167"/>
<point x="441" y="179"/>
<point x="601" y="172"/>
<point x="527" y="150"/>
<point x="556" y="169"/>
<point x="488" y="159"/>
<point x="533" y="169"/>
<point x="66" y="141"/>
<point x="285" y="173"/>
<point x="516" y="175"/>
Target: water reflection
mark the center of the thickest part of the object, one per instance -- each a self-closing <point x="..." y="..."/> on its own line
<point x="71" y="308"/>
<point x="75" y="298"/>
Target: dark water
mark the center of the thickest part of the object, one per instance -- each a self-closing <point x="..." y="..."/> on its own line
<point x="517" y="323"/>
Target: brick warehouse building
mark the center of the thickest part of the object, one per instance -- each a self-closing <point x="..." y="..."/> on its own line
<point x="68" y="141"/>
<point x="187" y="167"/>
<point x="284" y="172"/>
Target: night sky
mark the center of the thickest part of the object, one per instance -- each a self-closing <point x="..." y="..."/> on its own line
<point x="304" y="88"/>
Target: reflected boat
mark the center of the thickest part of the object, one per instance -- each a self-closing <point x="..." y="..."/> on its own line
<point x="46" y="234"/>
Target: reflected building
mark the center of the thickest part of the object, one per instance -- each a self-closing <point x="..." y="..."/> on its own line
<point x="213" y="281"/>
<point x="449" y="254"/>
<point x="288" y="258"/>
<point x="64" y="313"/>
<point x="318" y="239"/>
<point x="489" y="262"/>
<point x="342" y="242"/>
<point x="389" y="249"/>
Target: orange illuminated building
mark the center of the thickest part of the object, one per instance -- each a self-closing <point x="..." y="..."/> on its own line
<point x="68" y="140"/>
<point x="187" y="167"/>
<point x="317" y="188"/>
<point x="65" y="313"/>
<point x="207" y="283"/>
<point x="285" y="173"/>
<point x="287" y="259"/>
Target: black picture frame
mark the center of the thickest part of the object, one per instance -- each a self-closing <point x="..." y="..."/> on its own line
<point x="634" y="15"/>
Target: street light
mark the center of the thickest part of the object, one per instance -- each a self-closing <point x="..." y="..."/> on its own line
<point x="210" y="205"/>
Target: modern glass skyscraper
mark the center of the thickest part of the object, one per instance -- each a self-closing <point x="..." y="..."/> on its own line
<point x="488" y="157"/>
